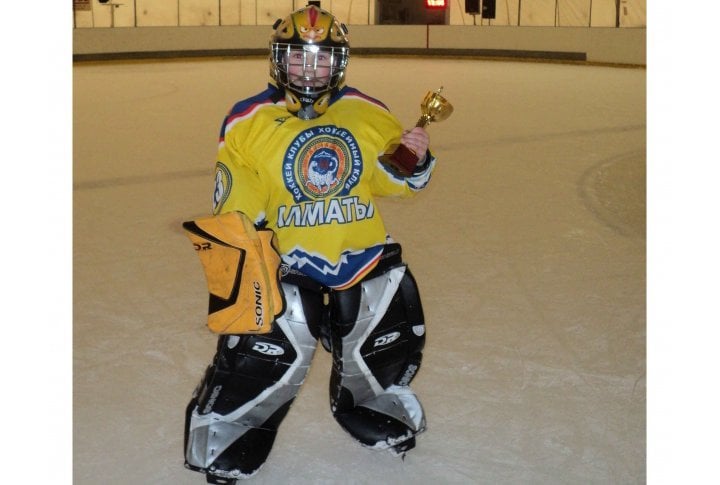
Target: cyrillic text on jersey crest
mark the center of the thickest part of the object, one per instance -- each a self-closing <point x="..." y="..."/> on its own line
<point x="321" y="162"/>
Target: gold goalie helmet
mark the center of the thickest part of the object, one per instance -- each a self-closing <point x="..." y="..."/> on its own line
<point x="309" y="52"/>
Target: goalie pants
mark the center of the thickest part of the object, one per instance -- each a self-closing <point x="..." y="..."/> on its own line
<point x="375" y="331"/>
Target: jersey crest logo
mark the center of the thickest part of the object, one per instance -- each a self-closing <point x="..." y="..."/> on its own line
<point x="223" y="184"/>
<point x="323" y="161"/>
<point x="320" y="170"/>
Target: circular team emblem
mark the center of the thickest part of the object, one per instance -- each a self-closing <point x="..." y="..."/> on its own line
<point x="223" y="183"/>
<point x="321" y="162"/>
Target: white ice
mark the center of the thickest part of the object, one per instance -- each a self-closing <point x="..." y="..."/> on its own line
<point x="528" y="246"/>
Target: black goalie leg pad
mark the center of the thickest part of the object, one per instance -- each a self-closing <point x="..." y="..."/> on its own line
<point x="233" y="418"/>
<point x="244" y="457"/>
<point x="378" y="334"/>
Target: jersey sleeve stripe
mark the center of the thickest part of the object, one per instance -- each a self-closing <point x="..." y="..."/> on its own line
<point x="245" y="109"/>
<point x="352" y="93"/>
<point x="235" y="118"/>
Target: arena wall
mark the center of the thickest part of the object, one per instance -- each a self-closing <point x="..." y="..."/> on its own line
<point x="595" y="45"/>
<point x="526" y="13"/>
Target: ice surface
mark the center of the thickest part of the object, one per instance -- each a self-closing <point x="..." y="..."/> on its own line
<point x="528" y="246"/>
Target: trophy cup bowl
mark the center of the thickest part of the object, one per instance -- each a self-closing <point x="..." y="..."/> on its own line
<point x="433" y="108"/>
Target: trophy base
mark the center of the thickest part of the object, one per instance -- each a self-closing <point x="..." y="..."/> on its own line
<point x="403" y="161"/>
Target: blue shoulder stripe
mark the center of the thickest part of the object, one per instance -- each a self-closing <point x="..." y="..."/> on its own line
<point x="270" y="95"/>
<point x="356" y="93"/>
<point x="241" y="106"/>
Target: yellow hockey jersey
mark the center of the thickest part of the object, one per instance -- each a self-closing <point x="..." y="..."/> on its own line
<point x="313" y="182"/>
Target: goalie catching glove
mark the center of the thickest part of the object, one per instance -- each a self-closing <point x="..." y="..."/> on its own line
<point x="241" y="266"/>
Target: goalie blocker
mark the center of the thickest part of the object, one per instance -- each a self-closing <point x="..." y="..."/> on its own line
<point x="241" y="265"/>
<point x="376" y="333"/>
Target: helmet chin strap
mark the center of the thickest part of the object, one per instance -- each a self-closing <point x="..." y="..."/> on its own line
<point x="307" y="107"/>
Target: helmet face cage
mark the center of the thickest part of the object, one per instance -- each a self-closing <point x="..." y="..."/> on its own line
<point x="308" y="69"/>
<point x="309" y="52"/>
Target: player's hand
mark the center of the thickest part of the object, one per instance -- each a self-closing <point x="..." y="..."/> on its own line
<point x="416" y="140"/>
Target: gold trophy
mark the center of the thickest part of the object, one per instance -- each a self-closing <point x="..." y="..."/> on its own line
<point x="434" y="108"/>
